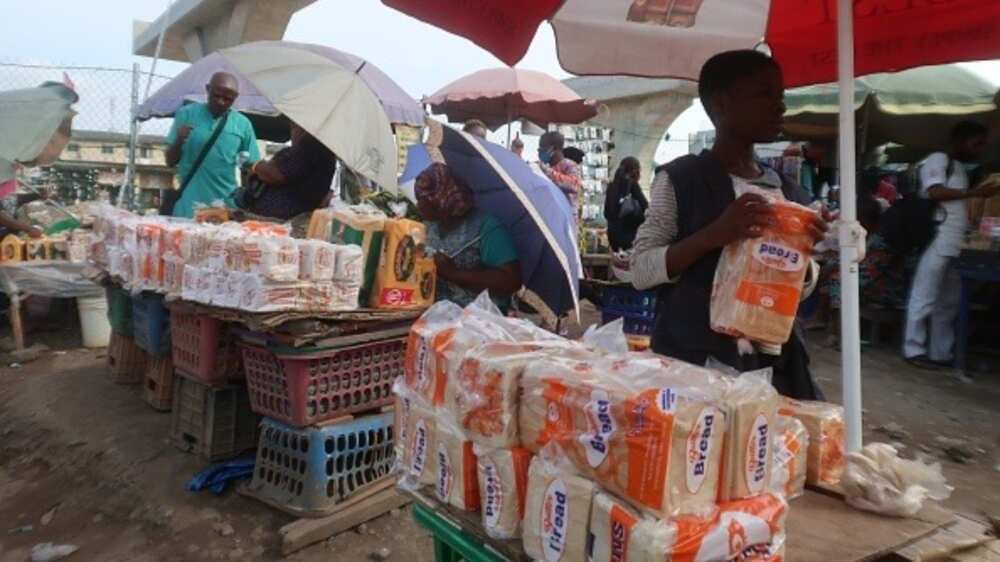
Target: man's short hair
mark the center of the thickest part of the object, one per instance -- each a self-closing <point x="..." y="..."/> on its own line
<point x="474" y="124"/>
<point x="554" y="139"/>
<point x="720" y="72"/>
<point x="967" y="130"/>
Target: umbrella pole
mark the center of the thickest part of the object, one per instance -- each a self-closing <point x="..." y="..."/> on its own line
<point x="852" y="237"/>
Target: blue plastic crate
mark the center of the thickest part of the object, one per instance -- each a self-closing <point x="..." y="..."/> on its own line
<point x="151" y="324"/>
<point x="634" y="325"/>
<point x="308" y="471"/>
<point x="624" y="300"/>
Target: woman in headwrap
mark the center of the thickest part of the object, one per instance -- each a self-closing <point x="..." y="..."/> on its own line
<point x="473" y="251"/>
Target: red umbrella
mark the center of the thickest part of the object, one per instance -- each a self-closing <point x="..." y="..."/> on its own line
<point x="673" y="38"/>
<point x="500" y="95"/>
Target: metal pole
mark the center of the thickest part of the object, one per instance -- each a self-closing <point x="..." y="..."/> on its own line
<point x="851" y="235"/>
<point x="133" y="140"/>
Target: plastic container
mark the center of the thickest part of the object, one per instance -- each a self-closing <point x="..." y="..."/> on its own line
<point x="119" y="310"/>
<point x="629" y="302"/>
<point x="95" y="328"/>
<point x="203" y="349"/>
<point x="158" y="387"/>
<point x="151" y="324"/>
<point x="308" y="388"/>
<point x="212" y="422"/>
<point x="126" y="361"/>
<point x="308" y="472"/>
<point x="635" y="325"/>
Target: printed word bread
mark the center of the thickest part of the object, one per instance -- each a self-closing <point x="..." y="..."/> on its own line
<point x="825" y="424"/>
<point x="751" y="406"/>
<point x="418" y="462"/>
<point x="619" y="534"/>
<point x="557" y="513"/>
<point x="758" y="281"/>
<point x="456" y="481"/>
<point x="788" y="472"/>
<point x="503" y="483"/>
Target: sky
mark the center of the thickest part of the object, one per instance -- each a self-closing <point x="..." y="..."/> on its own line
<point x="420" y="57"/>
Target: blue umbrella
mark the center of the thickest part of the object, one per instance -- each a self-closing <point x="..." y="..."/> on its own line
<point x="536" y="213"/>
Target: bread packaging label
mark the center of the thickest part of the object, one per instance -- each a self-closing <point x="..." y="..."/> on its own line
<point x="418" y="462"/>
<point x="825" y="423"/>
<point x="503" y="483"/>
<point x="404" y="278"/>
<point x="457" y="483"/>
<point x="758" y="281"/>
<point x="750" y="405"/>
<point x="788" y="472"/>
<point x="557" y="513"/>
<point x="619" y="534"/>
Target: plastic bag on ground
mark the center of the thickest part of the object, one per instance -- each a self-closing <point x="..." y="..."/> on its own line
<point x="49" y="552"/>
<point x="825" y="424"/>
<point x="456" y="482"/>
<point x="758" y="281"/>
<point x="751" y="406"/>
<point x="878" y="480"/>
<point x="647" y="428"/>
<point x="503" y="484"/>
<point x="557" y="511"/>
<point x="790" y="447"/>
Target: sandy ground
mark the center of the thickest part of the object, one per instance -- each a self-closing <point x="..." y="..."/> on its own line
<point x="73" y="442"/>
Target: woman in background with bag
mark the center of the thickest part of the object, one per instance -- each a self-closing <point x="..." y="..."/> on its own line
<point x="625" y="205"/>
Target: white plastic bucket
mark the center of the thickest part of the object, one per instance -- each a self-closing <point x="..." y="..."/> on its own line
<point x="94" y="325"/>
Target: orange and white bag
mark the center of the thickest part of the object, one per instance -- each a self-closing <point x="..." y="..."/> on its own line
<point x="418" y="444"/>
<point x="751" y="530"/>
<point x="647" y="428"/>
<point x="557" y="512"/>
<point x="620" y="534"/>
<point x="456" y="483"/>
<point x="825" y="424"/>
<point x="503" y="484"/>
<point x="788" y="471"/>
<point x="751" y="408"/>
<point x="317" y="260"/>
<point x="758" y="281"/>
<point x="420" y="368"/>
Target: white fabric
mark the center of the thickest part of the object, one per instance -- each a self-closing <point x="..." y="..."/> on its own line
<point x="935" y="295"/>
<point x="661" y="40"/>
<point x="951" y="232"/>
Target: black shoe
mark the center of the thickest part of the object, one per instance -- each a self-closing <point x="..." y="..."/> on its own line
<point x="923" y="362"/>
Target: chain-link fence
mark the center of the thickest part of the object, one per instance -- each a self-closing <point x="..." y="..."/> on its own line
<point x="98" y="154"/>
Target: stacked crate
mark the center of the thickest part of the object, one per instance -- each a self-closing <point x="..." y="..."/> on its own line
<point x="151" y="328"/>
<point x="211" y="408"/>
<point x="328" y="434"/>
<point x="127" y="362"/>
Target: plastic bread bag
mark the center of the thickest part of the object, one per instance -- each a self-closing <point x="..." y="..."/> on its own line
<point x="317" y="260"/>
<point x="434" y="328"/>
<point x="648" y="429"/>
<point x="751" y="408"/>
<point x="878" y="480"/>
<point x="751" y="530"/>
<point x="487" y="383"/>
<point x="191" y="282"/>
<point x="456" y="483"/>
<point x="397" y="283"/>
<point x="788" y="469"/>
<point x="609" y="338"/>
<point x="758" y="281"/>
<point x="825" y="424"/>
<point x="257" y="295"/>
<point x="349" y="267"/>
<point x="273" y="258"/>
<point x="620" y="534"/>
<point x="557" y="510"/>
<point x="418" y="462"/>
<point x="401" y="416"/>
<point x="503" y="484"/>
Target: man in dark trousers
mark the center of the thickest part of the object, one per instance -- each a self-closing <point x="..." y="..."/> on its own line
<point x="702" y="203"/>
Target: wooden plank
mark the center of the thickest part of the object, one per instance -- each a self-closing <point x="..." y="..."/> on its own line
<point x="304" y="532"/>
<point x="946" y="542"/>
<point x="15" y="321"/>
<point x="822" y="528"/>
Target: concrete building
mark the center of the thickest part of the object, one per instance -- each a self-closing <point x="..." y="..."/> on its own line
<point x="107" y="153"/>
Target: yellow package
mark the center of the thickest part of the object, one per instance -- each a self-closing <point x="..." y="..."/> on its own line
<point x="405" y="278"/>
<point x="11" y="249"/>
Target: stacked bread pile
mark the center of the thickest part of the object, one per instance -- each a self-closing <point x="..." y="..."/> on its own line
<point x="588" y="454"/>
<point x="251" y="266"/>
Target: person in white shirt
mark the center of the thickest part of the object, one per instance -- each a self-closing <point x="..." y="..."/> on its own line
<point x="936" y="287"/>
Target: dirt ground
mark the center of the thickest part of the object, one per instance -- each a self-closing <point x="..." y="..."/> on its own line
<point x="91" y="451"/>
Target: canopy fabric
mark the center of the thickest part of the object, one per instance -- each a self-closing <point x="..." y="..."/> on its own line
<point x="325" y="98"/>
<point x="36" y="124"/>
<point x="537" y="214"/>
<point x="189" y="86"/>
<point x="498" y="96"/>
<point x="673" y="38"/>
<point x="916" y="108"/>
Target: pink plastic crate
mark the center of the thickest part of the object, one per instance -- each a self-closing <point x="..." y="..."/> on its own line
<point x="308" y="388"/>
<point x="203" y="348"/>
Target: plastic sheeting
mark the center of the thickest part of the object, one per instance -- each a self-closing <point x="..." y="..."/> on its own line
<point x="60" y="279"/>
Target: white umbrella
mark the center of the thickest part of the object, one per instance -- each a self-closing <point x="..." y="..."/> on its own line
<point x="326" y="99"/>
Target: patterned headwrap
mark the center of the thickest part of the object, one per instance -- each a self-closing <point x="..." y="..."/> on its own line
<point x="440" y="188"/>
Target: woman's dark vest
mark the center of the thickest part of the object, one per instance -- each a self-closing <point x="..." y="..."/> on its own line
<point x="703" y="190"/>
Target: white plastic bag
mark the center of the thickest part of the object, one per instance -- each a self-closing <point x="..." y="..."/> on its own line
<point x="878" y="480"/>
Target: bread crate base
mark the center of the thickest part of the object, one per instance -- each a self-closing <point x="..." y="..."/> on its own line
<point x="202" y="347"/>
<point x="151" y="324"/>
<point x="158" y="387"/>
<point x="212" y="422"/>
<point x="126" y="361"/>
<point x="310" y="472"/>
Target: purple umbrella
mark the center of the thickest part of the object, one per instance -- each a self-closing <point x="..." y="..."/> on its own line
<point x="538" y="215"/>
<point x="189" y="86"/>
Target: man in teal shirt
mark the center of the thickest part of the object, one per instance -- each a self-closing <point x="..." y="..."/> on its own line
<point x="215" y="179"/>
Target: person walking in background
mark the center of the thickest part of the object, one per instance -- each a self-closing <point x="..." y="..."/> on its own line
<point x="625" y="205"/>
<point x="517" y="146"/>
<point x="562" y="171"/>
<point x="936" y="289"/>
<point x="476" y="128"/>
<point x="204" y="143"/>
